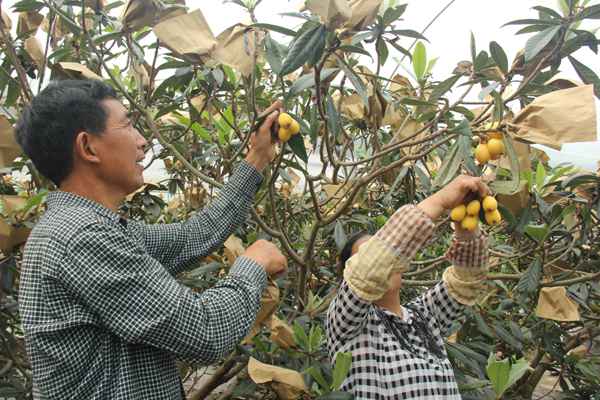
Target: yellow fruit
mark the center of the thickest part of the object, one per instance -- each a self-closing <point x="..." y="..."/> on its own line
<point x="482" y="154"/>
<point x="294" y="127"/>
<point x="494" y="135"/>
<point x="458" y="213"/>
<point x="489" y="203"/>
<point x="473" y="207"/>
<point x="285" y="120"/>
<point x="495" y="147"/>
<point x="469" y="223"/>
<point x="284" y="135"/>
<point x="493" y="217"/>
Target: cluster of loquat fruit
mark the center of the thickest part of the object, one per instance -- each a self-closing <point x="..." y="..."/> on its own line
<point x="468" y="214"/>
<point x="288" y="127"/>
<point x="490" y="148"/>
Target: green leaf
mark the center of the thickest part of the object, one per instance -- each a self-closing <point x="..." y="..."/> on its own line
<point x="337" y="396"/>
<point x="315" y="372"/>
<point x="473" y="48"/>
<point x="441" y="88"/>
<point x="505" y="336"/>
<point x="296" y="143"/>
<point x="392" y="14"/>
<point x="305" y="48"/>
<point x="358" y="84"/>
<point x="449" y="167"/>
<point x="511" y="186"/>
<point x="411" y="101"/>
<point x="530" y="281"/>
<point x="308" y="81"/>
<point x="547" y="11"/>
<point x="537" y="231"/>
<point x="275" y="28"/>
<point x="333" y="118"/>
<point x="499" y="56"/>
<point x="355" y="49"/>
<point x="592" y="12"/>
<point x="339" y="235"/>
<point x="274" y="53"/>
<point x="587" y="75"/>
<point x="419" y="60"/>
<point x="382" y="50"/>
<point x="531" y="22"/>
<point x="498" y="372"/>
<point x="540" y="176"/>
<point x="409" y="33"/>
<point x="343" y="361"/>
<point x="537" y="42"/>
<point x="299" y="334"/>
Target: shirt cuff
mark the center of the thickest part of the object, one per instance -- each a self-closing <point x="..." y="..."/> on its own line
<point x="472" y="253"/>
<point x="407" y="231"/>
<point x="249" y="269"/>
<point x="246" y="177"/>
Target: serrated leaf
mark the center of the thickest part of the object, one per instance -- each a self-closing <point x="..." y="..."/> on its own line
<point x="587" y="75"/>
<point x="449" y="167"/>
<point x="592" y="12"/>
<point x="393" y="13"/>
<point x="499" y="56"/>
<point x="382" y="50"/>
<point x="537" y="42"/>
<point x="419" y="60"/>
<point x="530" y="281"/>
<point x="315" y="372"/>
<point x="498" y="372"/>
<point x="409" y="33"/>
<point x="355" y="49"/>
<point x="548" y="11"/>
<point x="274" y="54"/>
<point x="358" y="84"/>
<point x="505" y="336"/>
<point x="531" y="22"/>
<point x="411" y="101"/>
<point x="305" y="47"/>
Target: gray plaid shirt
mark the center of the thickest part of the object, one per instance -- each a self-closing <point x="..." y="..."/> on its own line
<point x="104" y="317"/>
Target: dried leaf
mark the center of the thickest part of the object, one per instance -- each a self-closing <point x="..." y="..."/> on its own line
<point x="29" y="22"/>
<point x="554" y="304"/>
<point x="187" y="35"/>
<point x="281" y="333"/>
<point x="562" y="116"/>
<point x="6" y="22"/>
<point x="11" y="236"/>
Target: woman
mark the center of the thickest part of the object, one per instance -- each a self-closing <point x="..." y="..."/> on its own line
<point x="398" y="351"/>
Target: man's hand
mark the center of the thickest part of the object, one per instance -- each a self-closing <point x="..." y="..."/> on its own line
<point x="452" y="195"/>
<point x="262" y="146"/>
<point x="268" y="256"/>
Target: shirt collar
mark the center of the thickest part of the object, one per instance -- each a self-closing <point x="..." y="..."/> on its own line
<point x="59" y="199"/>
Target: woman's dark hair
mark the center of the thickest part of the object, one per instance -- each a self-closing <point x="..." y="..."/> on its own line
<point x="48" y="126"/>
<point x="346" y="252"/>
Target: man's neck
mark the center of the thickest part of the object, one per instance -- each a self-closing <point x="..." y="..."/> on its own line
<point x="391" y="301"/>
<point x="93" y="189"/>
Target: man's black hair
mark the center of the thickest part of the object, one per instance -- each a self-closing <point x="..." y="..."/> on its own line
<point x="49" y="125"/>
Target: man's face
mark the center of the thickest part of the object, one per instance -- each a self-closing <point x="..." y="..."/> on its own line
<point x="120" y="149"/>
<point x="395" y="277"/>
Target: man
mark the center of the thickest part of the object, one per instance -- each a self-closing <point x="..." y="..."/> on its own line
<point x="104" y="317"/>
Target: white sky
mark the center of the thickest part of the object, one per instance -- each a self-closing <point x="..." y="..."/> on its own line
<point x="449" y="38"/>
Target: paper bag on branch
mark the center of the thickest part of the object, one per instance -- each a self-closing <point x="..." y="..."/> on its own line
<point x="138" y="14"/>
<point x="34" y="50"/>
<point x="351" y="107"/>
<point x="9" y="148"/>
<point x="287" y="383"/>
<point x="268" y="304"/>
<point x="554" y="304"/>
<point x="281" y="333"/>
<point x="562" y="116"/>
<point x="364" y="13"/>
<point x="233" y="248"/>
<point x="6" y="22"/>
<point x="10" y="235"/>
<point x="77" y="71"/>
<point x="333" y="13"/>
<point x="236" y="47"/>
<point x="187" y="35"/>
<point x="29" y="22"/>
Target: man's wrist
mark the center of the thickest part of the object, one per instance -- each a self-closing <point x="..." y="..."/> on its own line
<point x="256" y="161"/>
<point x="431" y="208"/>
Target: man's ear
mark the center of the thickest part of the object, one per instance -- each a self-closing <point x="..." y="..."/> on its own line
<point x="85" y="147"/>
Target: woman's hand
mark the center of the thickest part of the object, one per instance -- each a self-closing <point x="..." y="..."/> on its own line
<point x="452" y="195"/>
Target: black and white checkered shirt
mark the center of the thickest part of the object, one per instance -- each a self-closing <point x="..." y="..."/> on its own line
<point x="409" y="365"/>
<point x="104" y="317"/>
